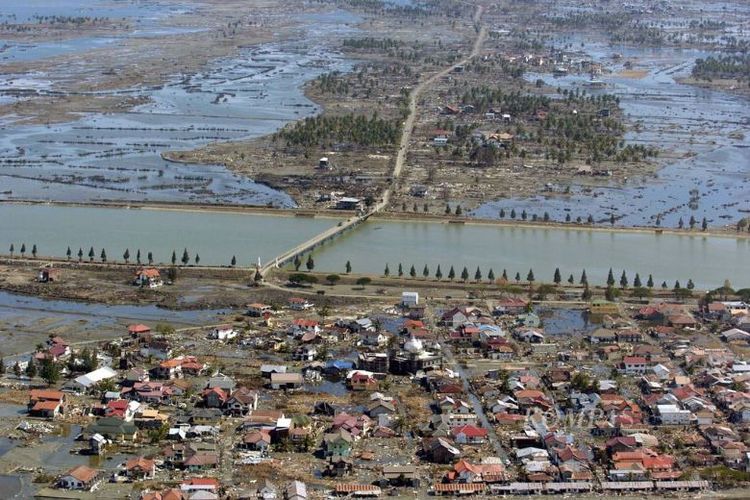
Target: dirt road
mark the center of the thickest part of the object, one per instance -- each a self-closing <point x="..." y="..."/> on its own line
<point x="408" y="125"/>
<point x="403" y="149"/>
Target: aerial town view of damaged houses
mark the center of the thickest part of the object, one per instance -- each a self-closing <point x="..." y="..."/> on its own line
<point x="374" y="248"/>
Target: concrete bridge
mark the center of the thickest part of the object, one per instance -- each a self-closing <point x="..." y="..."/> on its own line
<point x="315" y="241"/>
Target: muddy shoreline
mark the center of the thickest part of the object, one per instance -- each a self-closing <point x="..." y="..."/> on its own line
<point x="736" y="87"/>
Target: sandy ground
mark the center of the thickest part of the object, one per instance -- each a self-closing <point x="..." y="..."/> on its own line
<point x="632" y="73"/>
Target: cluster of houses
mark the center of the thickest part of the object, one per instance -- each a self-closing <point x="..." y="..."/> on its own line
<point x="628" y="405"/>
<point x="642" y="380"/>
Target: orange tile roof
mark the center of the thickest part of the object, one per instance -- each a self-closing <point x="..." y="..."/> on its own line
<point x="149" y="272"/>
<point x="45" y="395"/>
<point x="139" y="328"/>
<point x="83" y="473"/>
<point x="202" y="481"/>
<point x="140" y="463"/>
<point x="351" y="488"/>
<point x="46" y="406"/>
<point x="455" y="487"/>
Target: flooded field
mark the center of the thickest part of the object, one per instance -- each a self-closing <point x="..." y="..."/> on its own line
<point x="704" y="130"/>
<point x="117" y="156"/>
<point x="564" y="321"/>
<point x="25" y="321"/>
<point x="140" y="18"/>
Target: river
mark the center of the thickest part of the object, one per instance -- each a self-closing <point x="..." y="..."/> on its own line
<point x="217" y="236"/>
<point x="705" y="260"/>
<point x="214" y="236"/>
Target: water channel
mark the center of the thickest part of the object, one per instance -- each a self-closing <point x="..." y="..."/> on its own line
<point x="705" y="260"/>
<point x="217" y="236"/>
<point x="214" y="236"/>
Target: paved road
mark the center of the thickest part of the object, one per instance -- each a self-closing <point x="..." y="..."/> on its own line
<point x="403" y="148"/>
<point x="475" y="402"/>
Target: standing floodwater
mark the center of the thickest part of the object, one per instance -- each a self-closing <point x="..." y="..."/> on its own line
<point x="117" y="156"/>
<point x="705" y="130"/>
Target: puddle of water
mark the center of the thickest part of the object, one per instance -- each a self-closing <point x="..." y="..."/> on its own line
<point x="564" y="321"/>
<point x="328" y="387"/>
<point x="10" y="486"/>
<point x="11" y="410"/>
<point x="35" y="308"/>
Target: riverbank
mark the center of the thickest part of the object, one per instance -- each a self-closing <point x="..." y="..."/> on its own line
<point x="202" y="288"/>
<point x="187" y="207"/>
<point x="727" y="231"/>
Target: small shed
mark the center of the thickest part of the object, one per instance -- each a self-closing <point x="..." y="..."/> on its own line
<point x="49" y="275"/>
<point x="409" y="299"/>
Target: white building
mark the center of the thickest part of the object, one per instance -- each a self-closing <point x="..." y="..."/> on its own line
<point x="409" y="299"/>
<point x="530" y="335"/>
<point x="635" y="365"/>
<point x="257" y="309"/>
<point x="223" y="332"/>
<point x="673" y="415"/>
<point x="80" y="477"/>
<point x="85" y="382"/>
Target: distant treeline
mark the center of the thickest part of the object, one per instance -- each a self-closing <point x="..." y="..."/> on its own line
<point x="734" y="66"/>
<point x="77" y="20"/>
<point x="621" y="28"/>
<point x="417" y="8"/>
<point x="371" y="43"/>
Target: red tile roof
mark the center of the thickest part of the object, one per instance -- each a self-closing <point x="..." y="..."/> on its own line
<point x="140" y="463"/>
<point x="45" y="395"/>
<point x="46" y="406"/>
<point x="149" y="272"/>
<point x="456" y="487"/>
<point x="634" y="360"/>
<point x="83" y="473"/>
<point x="202" y="481"/>
<point x="469" y="431"/>
<point x="352" y="488"/>
<point x="139" y="328"/>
